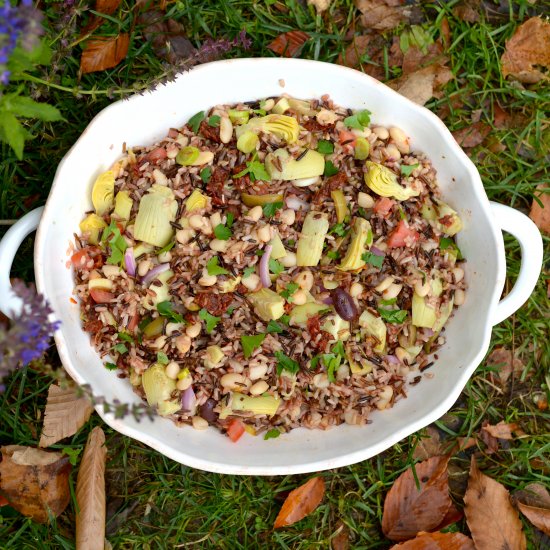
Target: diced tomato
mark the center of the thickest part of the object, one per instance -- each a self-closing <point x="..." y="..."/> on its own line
<point x="80" y="258"/>
<point x="402" y="235"/>
<point x="346" y="137"/>
<point x="235" y="430"/>
<point x="101" y="296"/>
<point x="383" y="206"/>
<point x="156" y="154"/>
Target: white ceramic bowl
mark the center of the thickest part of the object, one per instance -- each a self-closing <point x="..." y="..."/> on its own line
<point x="145" y="119"/>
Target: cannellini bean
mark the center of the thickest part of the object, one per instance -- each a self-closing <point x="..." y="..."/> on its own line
<point x="381" y="133"/>
<point x="460" y="297"/>
<point x="299" y="298"/>
<point x="288" y="217"/>
<point x="143" y="267"/>
<point x="215" y="219"/>
<point x="218" y="245"/>
<point x="183" y="236"/>
<point x="182" y="140"/>
<point x="264" y="233"/>
<point x="400" y="139"/>
<point x="251" y="282"/>
<point x="321" y="381"/>
<point x="324" y="116"/>
<point x="259" y="387"/>
<point x="392" y="291"/>
<point x="232" y="381"/>
<point x="255" y="213"/>
<point x="226" y="130"/>
<point x="208" y="280"/>
<point x="422" y="289"/>
<point x="304" y="279"/>
<point x="159" y="177"/>
<point x="289" y="260"/>
<point x="172" y="370"/>
<point x="404" y="356"/>
<point x="111" y="270"/>
<point x="458" y="274"/>
<point x="364" y="200"/>
<point x="353" y="418"/>
<point x="199" y="423"/>
<point x="342" y="373"/>
<point x="173" y="327"/>
<point x="384" y="397"/>
<point x="196" y="221"/>
<point x="392" y="152"/>
<point x="386" y="283"/>
<point x="257" y="371"/>
<point x="159" y="342"/>
<point x="269" y="104"/>
<point x="184" y="383"/>
<point x="356" y="290"/>
<point x="193" y="330"/>
<point x="172" y="151"/>
<point x="183" y="343"/>
<point x="165" y="257"/>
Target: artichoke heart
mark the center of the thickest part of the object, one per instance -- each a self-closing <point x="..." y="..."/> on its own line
<point x="196" y="201"/>
<point x="158" y="388"/>
<point x="312" y="239"/>
<point x="376" y="327"/>
<point x="263" y="404"/>
<point x="162" y="292"/>
<point x="123" y="205"/>
<point x="281" y="166"/>
<point x="91" y="226"/>
<point x="282" y="126"/>
<point x="337" y="327"/>
<point x="384" y="182"/>
<point x="103" y="193"/>
<point x="300" y="314"/>
<point x="267" y="304"/>
<point x="156" y="210"/>
<point x="361" y="368"/>
<point x="301" y="106"/>
<point x="442" y="216"/>
<point x="361" y="239"/>
<point x="278" y="250"/>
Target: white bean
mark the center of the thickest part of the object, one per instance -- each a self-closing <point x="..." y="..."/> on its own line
<point x="422" y="289"/>
<point x="226" y="130"/>
<point x="143" y="267"/>
<point x="165" y="257"/>
<point x="288" y="217"/>
<point x="183" y="236"/>
<point x="159" y="177"/>
<point x="384" y="397"/>
<point x="321" y="381"/>
<point x="392" y="291"/>
<point x="356" y="290"/>
<point x="381" y="133"/>
<point x="257" y="371"/>
<point x="392" y="152"/>
<point x="460" y="297"/>
<point x="172" y="370"/>
<point x="218" y="245"/>
<point x="251" y="282"/>
<point x="232" y="381"/>
<point x="268" y="104"/>
<point x="111" y="270"/>
<point x="364" y="200"/>
<point x="264" y="233"/>
<point x="208" y="280"/>
<point x="259" y="387"/>
<point x="196" y="221"/>
<point x="193" y="330"/>
<point x="255" y="213"/>
<point x="173" y="327"/>
<point x="304" y="279"/>
<point x="184" y="383"/>
<point x="299" y="298"/>
<point x="215" y="219"/>
<point x="386" y="283"/>
<point x="400" y="139"/>
<point x="404" y="356"/>
<point x="159" y="343"/>
<point x="458" y="274"/>
<point x="199" y="423"/>
<point x="289" y="260"/>
<point x="183" y="343"/>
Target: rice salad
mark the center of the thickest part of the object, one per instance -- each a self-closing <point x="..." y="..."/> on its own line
<point x="270" y="265"/>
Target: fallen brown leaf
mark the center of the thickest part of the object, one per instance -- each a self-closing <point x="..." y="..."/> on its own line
<point x="437" y="541"/>
<point x="90" y="493"/>
<point x="107" y="7"/>
<point x="166" y="36"/>
<point x="301" y="502"/>
<point x="3" y="501"/>
<point x="502" y="430"/>
<point x="541" y="214"/>
<point x="528" y="47"/>
<point x="341" y="540"/>
<point x="365" y="51"/>
<point x="493" y="521"/>
<point x="491" y="442"/>
<point x="104" y="53"/>
<point x="500" y="117"/>
<point x="505" y="364"/>
<point x="408" y="510"/>
<point x="289" y="43"/>
<point x="468" y="10"/>
<point x="473" y="135"/>
<point x="66" y="412"/>
<point x="320" y="5"/>
<point x="35" y="482"/>
<point x="534" y="503"/>
<point x="381" y="15"/>
<point x="429" y="445"/>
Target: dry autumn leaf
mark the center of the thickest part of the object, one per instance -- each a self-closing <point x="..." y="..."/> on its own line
<point x="381" y="15"/>
<point x="301" y="502"/>
<point x="107" y="7"/>
<point x="468" y="10"/>
<point x="90" y="493"/>
<point x="35" y="482"/>
<point x="409" y="509"/>
<point x="437" y="541"/>
<point x="104" y="53"/>
<point x="366" y="52"/>
<point x="528" y="47"/>
<point x="502" y="430"/>
<point x="340" y="541"/>
<point x="491" y="517"/>
<point x="534" y="503"/>
<point x="504" y="363"/>
<point x="66" y="412"/>
<point x="429" y="445"/>
<point x="473" y="135"/>
<point x="289" y="43"/>
<point x="541" y="214"/>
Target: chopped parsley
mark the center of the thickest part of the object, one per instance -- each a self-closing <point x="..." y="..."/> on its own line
<point x="214" y="121"/>
<point x="248" y="271"/>
<point x="285" y="319"/>
<point x="120" y="348"/>
<point x="408" y="169"/>
<point x="111" y="236"/>
<point x="389" y="302"/>
<point x="339" y="229"/>
<point x="291" y="242"/>
<point x="195" y="121"/>
<point x="331" y="361"/>
<point x="333" y="254"/>
<point x="362" y="212"/>
<point x="222" y="232"/>
<point x="394" y="316"/>
<point x="166" y="309"/>
<point x="110" y="366"/>
<point x="358" y="120"/>
<point x="213" y="268"/>
<point x="330" y="169"/>
<point x="272" y="434"/>
<point x="373" y="259"/>
<point x="325" y="147"/>
<point x="230" y="310"/>
<point x="230" y="218"/>
<point x="270" y="208"/>
<point x="205" y="174"/>
<point x="289" y="290"/>
<point x="162" y="358"/>
<point x="446" y="243"/>
<point x="275" y="266"/>
<point x="250" y="343"/>
<point x="274" y="327"/>
<point x="256" y="170"/>
<point x="286" y="363"/>
<point x="210" y="320"/>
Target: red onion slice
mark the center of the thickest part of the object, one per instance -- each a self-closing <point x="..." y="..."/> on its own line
<point x="188" y="399"/>
<point x="376" y="251"/>
<point x="130" y="262"/>
<point x="392" y="359"/>
<point x="264" y="267"/>
<point x="154" y="273"/>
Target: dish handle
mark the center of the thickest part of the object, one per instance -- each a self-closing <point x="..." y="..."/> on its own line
<point x="530" y="241"/>
<point x="10" y="304"/>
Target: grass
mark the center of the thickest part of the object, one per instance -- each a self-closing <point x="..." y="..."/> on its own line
<point x="154" y="502"/>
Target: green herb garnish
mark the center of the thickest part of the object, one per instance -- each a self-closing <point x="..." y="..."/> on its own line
<point x="230" y="218"/>
<point x="286" y="363"/>
<point x="111" y="236"/>
<point x="407" y="169"/>
<point x="270" y="208"/>
<point x="205" y="174"/>
<point x="166" y="248"/>
<point x="214" y="121"/>
<point x="373" y="259"/>
<point x="325" y="147"/>
<point x="274" y="327"/>
<point x="330" y="169"/>
<point x="339" y="229"/>
<point x="275" y="266"/>
<point x="272" y="434"/>
<point x="125" y="336"/>
<point x="162" y="358"/>
<point x="358" y="120"/>
<point x="250" y="343"/>
<point x="446" y="243"/>
<point x="120" y="348"/>
<point x="333" y="254"/>
<point x="289" y="290"/>
<point x="110" y="366"/>
<point x="248" y="271"/>
<point x="256" y="170"/>
<point x="222" y="232"/>
<point x="210" y="320"/>
<point x="195" y="121"/>
<point x="166" y="309"/>
<point x="389" y="302"/>
<point x="213" y="268"/>
<point x="394" y="316"/>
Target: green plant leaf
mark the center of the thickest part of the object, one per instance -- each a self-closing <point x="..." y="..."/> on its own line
<point x="13" y="133"/>
<point x="28" y="108"/>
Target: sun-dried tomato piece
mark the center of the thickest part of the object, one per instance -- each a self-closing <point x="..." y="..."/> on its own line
<point x="242" y="183"/>
<point x="216" y="184"/>
<point x="210" y="132"/>
<point x="337" y="181"/>
<point x="313" y="125"/>
<point x="215" y="304"/>
<point x="314" y="329"/>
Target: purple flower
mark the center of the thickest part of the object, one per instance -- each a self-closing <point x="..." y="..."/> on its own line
<point x="18" y="24"/>
<point x="29" y="335"/>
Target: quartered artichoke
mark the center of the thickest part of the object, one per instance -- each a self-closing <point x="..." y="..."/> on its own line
<point x="103" y="193"/>
<point x="361" y="240"/>
<point x="282" y="126"/>
<point x="156" y="210"/>
<point x="438" y="210"/>
<point x="123" y="205"/>
<point x="376" y="327"/>
<point x="91" y="226"/>
<point x="158" y="389"/>
<point x="384" y="182"/>
<point x="281" y="166"/>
